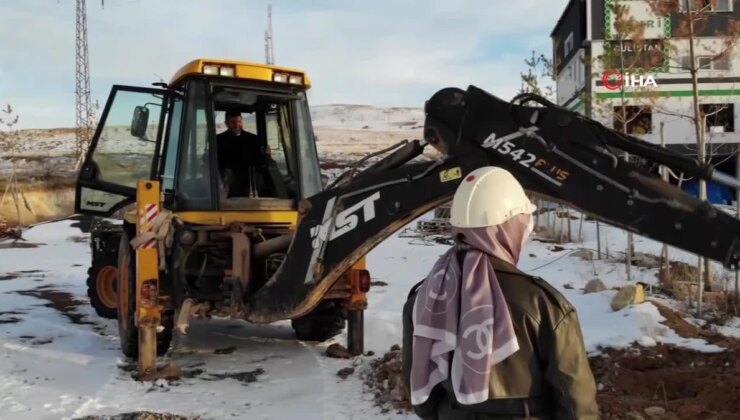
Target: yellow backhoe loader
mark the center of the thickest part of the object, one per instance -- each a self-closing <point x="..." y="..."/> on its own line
<point x="155" y="159"/>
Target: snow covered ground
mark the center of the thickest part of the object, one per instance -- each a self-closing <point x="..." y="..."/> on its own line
<point x="366" y="117"/>
<point x="59" y="360"/>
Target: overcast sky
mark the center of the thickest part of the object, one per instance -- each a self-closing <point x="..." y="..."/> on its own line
<point x="380" y="52"/>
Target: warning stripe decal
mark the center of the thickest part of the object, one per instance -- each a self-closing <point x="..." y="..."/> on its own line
<point x="146" y="219"/>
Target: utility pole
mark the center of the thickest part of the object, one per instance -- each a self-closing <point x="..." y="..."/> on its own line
<point x="269" y="54"/>
<point x="82" y="83"/>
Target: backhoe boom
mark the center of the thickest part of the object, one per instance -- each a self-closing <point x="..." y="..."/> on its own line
<point x="554" y="153"/>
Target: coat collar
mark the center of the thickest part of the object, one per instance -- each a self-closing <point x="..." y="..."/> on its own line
<point x="498" y="264"/>
<point x="504" y="267"/>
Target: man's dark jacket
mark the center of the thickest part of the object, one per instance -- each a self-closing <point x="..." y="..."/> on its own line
<point x="548" y="378"/>
<point x="237" y="152"/>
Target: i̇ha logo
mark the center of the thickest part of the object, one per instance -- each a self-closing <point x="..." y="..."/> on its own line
<point x="614" y="79"/>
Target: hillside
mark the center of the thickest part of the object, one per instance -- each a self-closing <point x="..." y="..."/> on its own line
<point x="344" y="116"/>
<point x="38" y="142"/>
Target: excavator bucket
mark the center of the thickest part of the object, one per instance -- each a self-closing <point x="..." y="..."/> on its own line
<point x="553" y="152"/>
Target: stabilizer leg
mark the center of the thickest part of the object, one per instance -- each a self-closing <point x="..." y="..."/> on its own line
<point x="148" y="310"/>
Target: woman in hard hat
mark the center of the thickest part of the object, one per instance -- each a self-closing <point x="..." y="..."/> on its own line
<point x="484" y="340"/>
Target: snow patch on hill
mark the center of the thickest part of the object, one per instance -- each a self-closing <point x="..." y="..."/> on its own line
<point x="348" y="116"/>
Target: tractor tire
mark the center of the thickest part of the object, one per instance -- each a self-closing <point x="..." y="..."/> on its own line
<point x="321" y="324"/>
<point x="128" y="332"/>
<point x="101" y="287"/>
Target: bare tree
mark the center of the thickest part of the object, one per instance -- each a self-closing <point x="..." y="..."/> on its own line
<point x="10" y="142"/>
<point x="539" y="77"/>
<point x="626" y="52"/>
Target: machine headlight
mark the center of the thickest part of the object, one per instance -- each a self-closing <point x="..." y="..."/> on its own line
<point x="295" y="79"/>
<point x="211" y="69"/>
<point x="280" y="77"/>
<point x="227" y="71"/>
<point x="217" y="70"/>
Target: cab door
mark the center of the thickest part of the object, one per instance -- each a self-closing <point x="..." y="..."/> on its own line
<point x="124" y="149"/>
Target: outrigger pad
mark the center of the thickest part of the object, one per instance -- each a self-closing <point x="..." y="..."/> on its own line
<point x="554" y="153"/>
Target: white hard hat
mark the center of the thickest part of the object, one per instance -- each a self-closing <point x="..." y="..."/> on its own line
<point x="488" y="196"/>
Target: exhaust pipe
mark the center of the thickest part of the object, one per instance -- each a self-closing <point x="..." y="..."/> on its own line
<point x="277" y="244"/>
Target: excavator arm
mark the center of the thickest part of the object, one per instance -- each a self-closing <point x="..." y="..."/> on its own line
<point x="553" y="152"/>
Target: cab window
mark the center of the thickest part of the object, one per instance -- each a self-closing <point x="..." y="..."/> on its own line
<point x="257" y="156"/>
<point x="123" y="151"/>
<point x="173" y="140"/>
<point x="194" y="178"/>
<point x="124" y="156"/>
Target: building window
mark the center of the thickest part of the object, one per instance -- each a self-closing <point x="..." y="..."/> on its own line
<point x="721" y="63"/>
<point x="685" y="62"/>
<point x="568" y="46"/>
<point x="719" y="118"/>
<point x="723" y="6"/>
<point x="637" y="119"/>
<point x="707" y="62"/>
<point x="703" y="62"/>
<point x="679" y="63"/>
<point x="713" y="5"/>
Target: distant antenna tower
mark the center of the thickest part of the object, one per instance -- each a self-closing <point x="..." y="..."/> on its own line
<point x="269" y="55"/>
<point x="82" y="81"/>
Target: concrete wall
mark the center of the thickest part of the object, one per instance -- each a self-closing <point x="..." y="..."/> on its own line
<point x="571" y="23"/>
<point x="571" y="79"/>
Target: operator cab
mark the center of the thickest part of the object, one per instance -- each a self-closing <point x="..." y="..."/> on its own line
<point x="257" y="161"/>
<point x="179" y="135"/>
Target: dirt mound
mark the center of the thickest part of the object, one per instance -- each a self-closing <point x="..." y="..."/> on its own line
<point x="678" y="279"/>
<point x="679" y="271"/>
<point x="385" y="380"/>
<point x="684" y="383"/>
<point x="8" y="231"/>
<point x="687" y="384"/>
<point x="675" y="321"/>
<point x="661" y="382"/>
